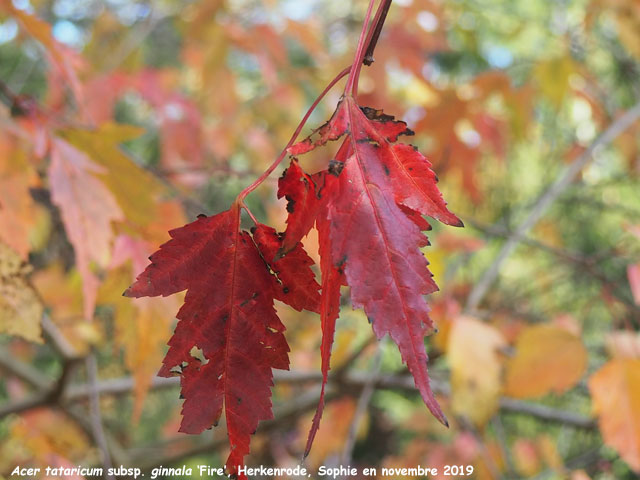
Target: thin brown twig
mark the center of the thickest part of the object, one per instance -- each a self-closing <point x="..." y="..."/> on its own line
<point x="361" y="408"/>
<point x="374" y="33"/>
<point x="95" y="415"/>
<point x="587" y="264"/>
<point x="58" y="340"/>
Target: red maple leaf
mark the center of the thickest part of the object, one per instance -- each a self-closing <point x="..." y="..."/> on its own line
<point x="229" y="316"/>
<point x="370" y="231"/>
<point x="302" y="193"/>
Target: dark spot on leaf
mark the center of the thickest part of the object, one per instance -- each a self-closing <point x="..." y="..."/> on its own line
<point x="254" y="296"/>
<point x="202" y="215"/>
<point x="181" y="397"/>
<point x="368" y="140"/>
<point x="239" y="400"/>
<point x="386" y="170"/>
<point x="290" y="203"/>
<point x="376" y="115"/>
<point x="285" y="289"/>
<point x="335" y="167"/>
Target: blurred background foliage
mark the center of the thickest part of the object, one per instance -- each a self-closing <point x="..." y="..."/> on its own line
<point x="124" y="119"/>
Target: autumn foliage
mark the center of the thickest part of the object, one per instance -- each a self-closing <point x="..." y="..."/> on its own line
<point x="296" y="303"/>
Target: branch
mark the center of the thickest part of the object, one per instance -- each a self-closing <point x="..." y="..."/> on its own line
<point x="348" y="381"/>
<point x="587" y="264"/>
<point x="58" y="340"/>
<point x="361" y="409"/>
<point x="565" y="178"/>
<point x="95" y="417"/>
<point x="23" y="371"/>
<point x="374" y="33"/>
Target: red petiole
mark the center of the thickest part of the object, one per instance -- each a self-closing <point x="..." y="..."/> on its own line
<point x="364" y="55"/>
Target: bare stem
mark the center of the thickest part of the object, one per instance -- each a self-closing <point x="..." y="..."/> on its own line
<point x="364" y="54"/>
<point x="352" y="82"/>
<point x="274" y="165"/>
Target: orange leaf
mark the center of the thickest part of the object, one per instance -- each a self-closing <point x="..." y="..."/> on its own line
<point x="615" y="390"/>
<point x="548" y="358"/>
<point x="18" y="211"/>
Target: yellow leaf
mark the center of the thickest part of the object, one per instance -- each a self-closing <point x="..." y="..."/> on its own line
<point x="548" y="358"/>
<point x="615" y="391"/>
<point x="122" y="176"/>
<point x="476" y="365"/>
<point x="552" y="77"/>
<point x="437" y="264"/>
<point x="20" y="307"/>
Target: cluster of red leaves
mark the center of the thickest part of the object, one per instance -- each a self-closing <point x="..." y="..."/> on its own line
<point x="367" y="207"/>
